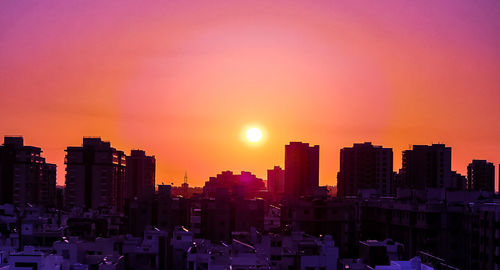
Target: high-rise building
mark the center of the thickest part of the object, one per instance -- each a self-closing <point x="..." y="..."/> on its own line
<point x="301" y="169"/>
<point x="481" y="175"/>
<point x="25" y="177"/>
<point x="427" y="166"/>
<point x="365" y="166"/>
<point x="140" y="171"/>
<point x="95" y="175"/>
<point x="276" y="181"/>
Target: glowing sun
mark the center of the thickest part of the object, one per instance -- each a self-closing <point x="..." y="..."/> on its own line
<point x="254" y="134"/>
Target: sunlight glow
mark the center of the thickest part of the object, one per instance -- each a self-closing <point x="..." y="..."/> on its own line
<point x="254" y="134"/>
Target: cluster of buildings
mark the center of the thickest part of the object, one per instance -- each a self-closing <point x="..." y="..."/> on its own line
<point x="112" y="215"/>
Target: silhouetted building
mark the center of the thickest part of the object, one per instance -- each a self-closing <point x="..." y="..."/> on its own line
<point x="60" y="197"/>
<point x="458" y="181"/>
<point x="365" y="166"/>
<point x="95" y="175"/>
<point x="47" y="187"/>
<point x="426" y="167"/>
<point x="244" y="185"/>
<point x="452" y="225"/>
<point x="320" y="217"/>
<point x="25" y="177"/>
<point x="276" y="181"/>
<point x="374" y="252"/>
<point x="140" y="173"/>
<point x="216" y="217"/>
<point x="171" y="211"/>
<point x="139" y="212"/>
<point x="301" y="169"/>
<point x="247" y="214"/>
<point x="481" y="175"/>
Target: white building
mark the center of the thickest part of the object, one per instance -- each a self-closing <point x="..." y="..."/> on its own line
<point x="31" y="259"/>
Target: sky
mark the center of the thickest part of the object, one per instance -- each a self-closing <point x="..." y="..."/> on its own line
<point x="182" y="80"/>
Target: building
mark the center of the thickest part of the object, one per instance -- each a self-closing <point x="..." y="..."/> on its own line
<point x="325" y="217"/>
<point x="95" y="175"/>
<point x="458" y="181"/>
<point x="148" y="252"/>
<point x="301" y="169"/>
<point x="140" y="173"/>
<point x="365" y="166"/>
<point x="426" y="166"/>
<point x="373" y="252"/>
<point x="171" y="211"/>
<point x="276" y="181"/>
<point x="244" y="185"/>
<point x="481" y="175"/>
<point x="29" y="258"/>
<point x="25" y="177"/>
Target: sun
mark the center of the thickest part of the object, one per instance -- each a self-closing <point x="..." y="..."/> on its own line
<point x="254" y="134"/>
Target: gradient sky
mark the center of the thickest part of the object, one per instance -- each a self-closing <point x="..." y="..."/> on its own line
<point x="182" y="79"/>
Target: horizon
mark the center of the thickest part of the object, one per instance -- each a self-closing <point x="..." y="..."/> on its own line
<point x="395" y="168"/>
<point x="184" y="81"/>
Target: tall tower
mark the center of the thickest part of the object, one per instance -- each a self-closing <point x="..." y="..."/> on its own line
<point x="275" y="181"/>
<point x="140" y="171"/>
<point x="364" y="166"/>
<point x="95" y="175"/>
<point x="185" y="186"/>
<point x="301" y="169"/>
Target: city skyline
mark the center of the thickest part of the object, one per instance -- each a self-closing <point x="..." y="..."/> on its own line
<point x="182" y="81"/>
<point x="300" y="153"/>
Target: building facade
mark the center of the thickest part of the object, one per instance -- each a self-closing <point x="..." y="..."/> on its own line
<point x="140" y="173"/>
<point x="95" y="175"/>
<point x="481" y="175"/>
<point x="365" y="166"/>
<point x="276" y="181"/>
<point x="301" y="169"/>
<point x="427" y="166"/>
<point x="25" y="177"/>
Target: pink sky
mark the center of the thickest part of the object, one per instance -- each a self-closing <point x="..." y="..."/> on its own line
<point x="182" y="79"/>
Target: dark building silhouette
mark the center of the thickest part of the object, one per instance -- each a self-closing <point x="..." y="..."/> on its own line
<point x="60" y="197"/>
<point x="47" y="187"/>
<point x="216" y="217"/>
<point x="481" y="175"/>
<point x="276" y="181"/>
<point x="322" y="217"/>
<point x="139" y="212"/>
<point x="25" y="177"/>
<point x="426" y="167"/>
<point x="140" y="175"/>
<point x="247" y="214"/>
<point x="365" y="166"/>
<point x="95" y="175"/>
<point x="171" y="211"/>
<point x="301" y="169"/>
<point x="459" y="181"/>
<point x="245" y="185"/>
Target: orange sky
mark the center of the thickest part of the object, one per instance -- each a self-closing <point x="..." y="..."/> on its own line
<point x="181" y="79"/>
